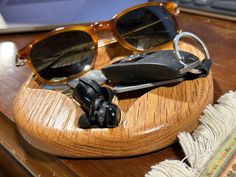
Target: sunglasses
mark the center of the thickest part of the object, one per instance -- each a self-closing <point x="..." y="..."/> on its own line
<point x="69" y="52"/>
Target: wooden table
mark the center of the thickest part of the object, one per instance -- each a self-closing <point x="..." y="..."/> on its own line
<point x="219" y="36"/>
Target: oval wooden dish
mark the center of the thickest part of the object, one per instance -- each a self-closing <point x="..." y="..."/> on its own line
<point x="151" y="119"/>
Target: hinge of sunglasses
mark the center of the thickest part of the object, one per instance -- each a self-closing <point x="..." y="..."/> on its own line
<point x="20" y="61"/>
<point x="177" y="11"/>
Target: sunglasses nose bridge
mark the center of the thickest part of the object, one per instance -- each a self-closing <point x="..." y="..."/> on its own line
<point x="104" y="31"/>
<point x="106" y="25"/>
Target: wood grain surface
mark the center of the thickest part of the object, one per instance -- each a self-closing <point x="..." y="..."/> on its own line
<point x="150" y="118"/>
<point x="220" y="38"/>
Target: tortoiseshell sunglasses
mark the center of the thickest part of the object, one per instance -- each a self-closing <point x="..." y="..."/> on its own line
<point x="69" y="52"/>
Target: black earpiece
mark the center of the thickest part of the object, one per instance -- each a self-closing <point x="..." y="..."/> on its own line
<point x="96" y="101"/>
<point x="88" y="90"/>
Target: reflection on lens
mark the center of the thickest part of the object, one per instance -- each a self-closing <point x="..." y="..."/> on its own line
<point x="63" y="55"/>
<point x="146" y="27"/>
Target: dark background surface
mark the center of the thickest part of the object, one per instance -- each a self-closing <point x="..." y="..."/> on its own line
<point x="52" y="12"/>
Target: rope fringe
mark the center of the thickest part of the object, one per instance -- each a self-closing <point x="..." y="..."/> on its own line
<point x="217" y="122"/>
<point x="169" y="168"/>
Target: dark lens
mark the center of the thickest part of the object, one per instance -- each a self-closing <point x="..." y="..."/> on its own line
<point x="146" y="27"/>
<point x="63" y="55"/>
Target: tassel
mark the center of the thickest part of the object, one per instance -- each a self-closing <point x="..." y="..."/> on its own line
<point x="216" y="124"/>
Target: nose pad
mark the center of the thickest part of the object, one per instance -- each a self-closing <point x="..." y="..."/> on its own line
<point x="105" y="37"/>
<point x="109" y="50"/>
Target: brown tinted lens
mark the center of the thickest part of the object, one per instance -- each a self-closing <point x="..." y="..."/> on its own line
<point x="63" y="55"/>
<point x="146" y="27"/>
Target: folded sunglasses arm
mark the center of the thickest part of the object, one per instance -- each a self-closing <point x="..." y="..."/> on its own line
<point x="20" y="61"/>
<point x="20" y="58"/>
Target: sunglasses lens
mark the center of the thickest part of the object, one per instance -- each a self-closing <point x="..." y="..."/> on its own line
<point x="63" y="55"/>
<point x="146" y="27"/>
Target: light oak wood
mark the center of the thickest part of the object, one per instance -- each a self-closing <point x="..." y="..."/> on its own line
<point x="151" y="119"/>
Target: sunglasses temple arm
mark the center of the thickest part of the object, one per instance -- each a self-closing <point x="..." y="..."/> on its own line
<point x="105" y="42"/>
<point x="143" y="27"/>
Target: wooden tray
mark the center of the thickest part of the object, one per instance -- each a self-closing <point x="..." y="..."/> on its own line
<point x="151" y="119"/>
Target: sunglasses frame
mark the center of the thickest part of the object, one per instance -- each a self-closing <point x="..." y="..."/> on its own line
<point x="23" y="55"/>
